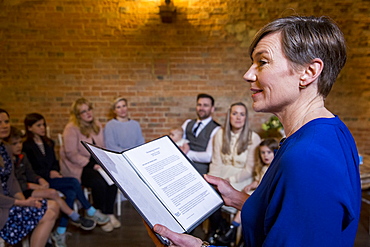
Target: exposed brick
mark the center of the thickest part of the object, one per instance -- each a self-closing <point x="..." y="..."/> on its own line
<point x="56" y="51"/>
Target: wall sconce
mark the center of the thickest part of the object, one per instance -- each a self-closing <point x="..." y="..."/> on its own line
<point x="167" y="11"/>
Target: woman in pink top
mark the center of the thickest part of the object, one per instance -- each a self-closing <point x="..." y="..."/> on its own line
<point x="76" y="161"/>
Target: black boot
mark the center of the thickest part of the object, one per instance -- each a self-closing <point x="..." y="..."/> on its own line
<point x="229" y="237"/>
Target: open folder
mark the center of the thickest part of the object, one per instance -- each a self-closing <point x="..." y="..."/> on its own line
<point x="161" y="183"/>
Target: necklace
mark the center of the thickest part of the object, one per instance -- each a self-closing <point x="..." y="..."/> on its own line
<point x="300" y="119"/>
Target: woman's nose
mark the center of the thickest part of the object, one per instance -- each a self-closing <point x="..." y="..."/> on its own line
<point x="250" y="76"/>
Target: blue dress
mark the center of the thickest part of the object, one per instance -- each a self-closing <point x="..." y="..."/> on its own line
<point x="20" y="221"/>
<point x="311" y="193"/>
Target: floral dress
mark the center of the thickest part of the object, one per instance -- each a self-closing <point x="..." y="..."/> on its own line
<point x="21" y="220"/>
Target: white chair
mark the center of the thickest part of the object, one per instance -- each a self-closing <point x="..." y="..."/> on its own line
<point x="60" y="139"/>
<point x="119" y="200"/>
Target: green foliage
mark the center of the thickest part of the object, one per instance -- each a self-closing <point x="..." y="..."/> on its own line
<point x="272" y="124"/>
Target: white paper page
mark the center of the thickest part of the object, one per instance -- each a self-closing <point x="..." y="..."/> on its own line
<point x="139" y="194"/>
<point x="188" y="196"/>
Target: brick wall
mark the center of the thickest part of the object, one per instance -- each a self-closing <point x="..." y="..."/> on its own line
<point x="53" y="52"/>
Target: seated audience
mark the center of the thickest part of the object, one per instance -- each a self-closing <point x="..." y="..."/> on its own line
<point x="36" y="186"/>
<point x="77" y="162"/>
<point x="20" y="216"/>
<point x="40" y="152"/>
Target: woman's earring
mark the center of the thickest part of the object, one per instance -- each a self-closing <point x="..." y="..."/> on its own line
<point x="302" y="86"/>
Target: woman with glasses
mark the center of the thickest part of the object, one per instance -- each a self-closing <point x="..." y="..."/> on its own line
<point x="76" y="161"/>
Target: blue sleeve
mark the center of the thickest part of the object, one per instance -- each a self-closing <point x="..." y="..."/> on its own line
<point x="314" y="195"/>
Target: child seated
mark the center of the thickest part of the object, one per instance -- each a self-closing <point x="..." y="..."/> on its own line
<point x="265" y="153"/>
<point x="20" y="216"/>
<point x="34" y="185"/>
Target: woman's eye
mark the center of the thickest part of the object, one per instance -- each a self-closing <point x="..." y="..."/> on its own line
<point x="262" y="62"/>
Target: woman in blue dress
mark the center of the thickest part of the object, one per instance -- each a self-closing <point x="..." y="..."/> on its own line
<point x="311" y="193"/>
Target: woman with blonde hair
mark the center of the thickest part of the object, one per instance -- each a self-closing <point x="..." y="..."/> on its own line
<point x="233" y="156"/>
<point x="121" y="132"/>
<point x="76" y="161"/>
<point x="234" y="146"/>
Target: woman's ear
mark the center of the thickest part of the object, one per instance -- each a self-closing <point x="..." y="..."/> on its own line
<point x="311" y="72"/>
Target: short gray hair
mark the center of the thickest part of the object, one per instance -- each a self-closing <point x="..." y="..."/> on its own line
<point x="307" y="38"/>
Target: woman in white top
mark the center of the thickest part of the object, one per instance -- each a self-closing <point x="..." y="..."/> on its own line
<point x="121" y="132"/>
<point x="233" y="159"/>
<point x="234" y="148"/>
